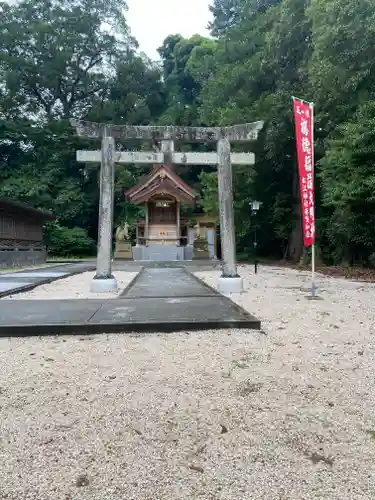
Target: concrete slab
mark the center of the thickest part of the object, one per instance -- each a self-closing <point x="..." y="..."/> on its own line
<point x="21" y="279"/>
<point x="172" y="313"/>
<point x="33" y="274"/>
<point x="78" y="317"/>
<point x="167" y="283"/>
<point x="27" y="280"/>
<point x="35" y="313"/>
<point x="6" y="286"/>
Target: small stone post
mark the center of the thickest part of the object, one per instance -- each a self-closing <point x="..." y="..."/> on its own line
<point x="104" y="281"/>
<point x="230" y="281"/>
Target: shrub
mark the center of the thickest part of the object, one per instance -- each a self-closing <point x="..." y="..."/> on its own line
<point x="64" y="241"/>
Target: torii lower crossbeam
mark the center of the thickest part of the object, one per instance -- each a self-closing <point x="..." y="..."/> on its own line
<point x="158" y="158"/>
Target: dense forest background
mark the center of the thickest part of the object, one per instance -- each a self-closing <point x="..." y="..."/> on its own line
<point x="77" y="58"/>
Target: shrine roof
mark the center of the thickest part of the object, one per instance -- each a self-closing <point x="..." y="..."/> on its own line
<point x="162" y="179"/>
<point x="13" y="207"/>
<point x="165" y="187"/>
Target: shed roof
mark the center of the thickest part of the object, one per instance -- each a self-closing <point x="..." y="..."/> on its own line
<point x="14" y="207"/>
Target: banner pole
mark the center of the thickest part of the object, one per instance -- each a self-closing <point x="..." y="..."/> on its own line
<point x="313" y="285"/>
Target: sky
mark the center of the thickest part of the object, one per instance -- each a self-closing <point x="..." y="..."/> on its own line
<point x="151" y="21"/>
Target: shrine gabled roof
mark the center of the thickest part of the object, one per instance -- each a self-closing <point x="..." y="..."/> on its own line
<point x="165" y="187"/>
<point x="161" y="177"/>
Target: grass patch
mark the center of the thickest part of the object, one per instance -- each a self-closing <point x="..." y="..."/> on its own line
<point x="238" y="364"/>
<point x="235" y="364"/>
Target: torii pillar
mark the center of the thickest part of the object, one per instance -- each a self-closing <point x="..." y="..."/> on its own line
<point x="104" y="281"/>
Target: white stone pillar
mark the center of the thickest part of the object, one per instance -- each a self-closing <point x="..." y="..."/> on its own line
<point x="104" y="281"/>
<point x="230" y="281"/>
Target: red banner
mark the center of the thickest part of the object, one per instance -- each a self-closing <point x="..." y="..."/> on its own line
<point x="303" y="116"/>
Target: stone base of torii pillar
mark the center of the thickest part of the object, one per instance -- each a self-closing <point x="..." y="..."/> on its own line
<point x="229" y="285"/>
<point x="104" y="285"/>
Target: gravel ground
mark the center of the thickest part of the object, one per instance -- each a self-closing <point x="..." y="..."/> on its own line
<point x="74" y="287"/>
<point x="229" y="415"/>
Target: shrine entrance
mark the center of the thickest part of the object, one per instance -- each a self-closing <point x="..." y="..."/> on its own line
<point x="163" y="187"/>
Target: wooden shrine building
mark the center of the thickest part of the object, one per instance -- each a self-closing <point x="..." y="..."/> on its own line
<point x="21" y="235"/>
<point x="163" y="234"/>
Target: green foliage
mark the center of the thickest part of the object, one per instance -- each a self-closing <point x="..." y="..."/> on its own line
<point x="210" y="200"/>
<point x="187" y="63"/>
<point x="68" y="241"/>
<point x="348" y="180"/>
<point x="230" y="13"/>
<point x="319" y="50"/>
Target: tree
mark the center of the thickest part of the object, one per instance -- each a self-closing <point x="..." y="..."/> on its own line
<point x="186" y="64"/>
<point x="57" y="62"/>
<point x="135" y="93"/>
<point x="55" y="55"/>
<point x="348" y="177"/>
<point x="259" y="65"/>
<point x="230" y="13"/>
<point x="340" y="71"/>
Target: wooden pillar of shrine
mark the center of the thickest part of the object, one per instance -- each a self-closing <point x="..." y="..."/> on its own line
<point x="146" y="225"/>
<point x="178" y="220"/>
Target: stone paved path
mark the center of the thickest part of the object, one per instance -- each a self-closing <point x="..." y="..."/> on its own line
<point x="162" y="283"/>
<point x="159" y="300"/>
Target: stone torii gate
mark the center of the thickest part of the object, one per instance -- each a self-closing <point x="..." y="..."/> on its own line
<point x="104" y="281"/>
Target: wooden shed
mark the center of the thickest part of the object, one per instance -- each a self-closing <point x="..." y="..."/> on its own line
<point x="21" y="235"/>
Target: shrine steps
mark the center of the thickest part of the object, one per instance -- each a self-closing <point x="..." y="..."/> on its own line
<point x="191" y="265"/>
<point x="161" y="253"/>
